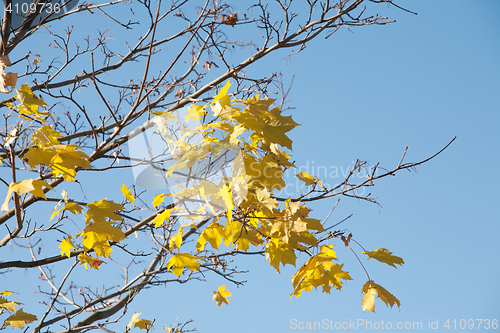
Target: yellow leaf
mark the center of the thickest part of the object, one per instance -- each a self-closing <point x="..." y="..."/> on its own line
<point x="33" y="186"/>
<point x="73" y="207"/>
<point x="279" y="252"/>
<point x="176" y="239"/>
<point x="92" y="261"/>
<point x="66" y="246"/>
<point x="222" y="92"/>
<point x="45" y="136"/>
<point x="264" y="200"/>
<point x="102" y="209"/>
<point x="213" y="234"/>
<point x="160" y="219"/>
<point x="19" y="319"/>
<point x="7" y="293"/>
<point x="226" y="195"/>
<point x="8" y="305"/>
<point x="127" y="193"/>
<point x="220" y="295"/>
<point x="97" y="235"/>
<point x="143" y="324"/>
<point x="369" y="290"/>
<point x="158" y="199"/>
<point x="368" y="302"/>
<point x="306" y="178"/>
<point x="385" y="256"/>
<point x="181" y="260"/>
<point x="319" y="270"/>
<point x="195" y="112"/>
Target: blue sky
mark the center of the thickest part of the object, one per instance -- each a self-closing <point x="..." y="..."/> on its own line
<point x="367" y="93"/>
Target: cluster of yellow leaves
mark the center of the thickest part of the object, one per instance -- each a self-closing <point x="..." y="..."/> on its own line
<point x="100" y="230"/>
<point x="61" y="159"/>
<point x="19" y="318"/>
<point x="319" y="270"/>
<point x="258" y="132"/>
<point x="29" y="104"/>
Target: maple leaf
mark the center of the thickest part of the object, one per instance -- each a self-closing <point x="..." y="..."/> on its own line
<point x="176" y="239"/>
<point x="213" y="234"/>
<point x="370" y="288"/>
<point x="102" y="209"/>
<point x="19" y="319"/>
<point x="222" y="92"/>
<point x="195" y="112"/>
<point x="319" y="270"/>
<point x="127" y="193"/>
<point x="307" y="178"/>
<point x="385" y="256"/>
<point x="279" y="252"/>
<point x="73" y="207"/>
<point x="66" y="246"/>
<point x="44" y="136"/>
<point x="7" y="293"/>
<point x="92" y="261"/>
<point x="220" y="295"/>
<point x="143" y="324"/>
<point x="30" y="104"/>
<point x="33" y="186"/>
<point x="264" y="201"/>
<point x="158" y="199"/>
<point x="8" y="305"/>
<point x="160" y="218"/>
<point x="97" y="235"/>
<point x="66" y="160"/>
<point x="181" y="260"/>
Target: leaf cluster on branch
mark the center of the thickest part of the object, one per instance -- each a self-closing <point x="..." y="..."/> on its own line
<point x="222" y="149"/>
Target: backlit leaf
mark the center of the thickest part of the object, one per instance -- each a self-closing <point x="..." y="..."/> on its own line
<point x="385" y="256"/>
<point x="19" y="319"/>
<point x="220" y="295"/>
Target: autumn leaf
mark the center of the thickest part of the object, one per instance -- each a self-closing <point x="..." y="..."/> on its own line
<point x="195" y="112"/>
<point x="222" y="92"/>
<point x="33" y="186"/>
<point x="8" y="305"/>
<point x="7" y="293"/>
<point x="181" y="260"/>
<point x="158" y="199"/>
<point x="66" y="246"/>
<point x="102" y="209"/>
<point x="307" y="178"/>
<point x="73" y="207"/>
<point x="176" y="239"/>
<point x="19" y="319"/>
<point x="143" y="324"/>
<point x="279" y="252"/>
<point x="230" y="19"/>
<point x="85" y="260"/>
<point x="160" y="218"/>
<point x="370" y="288"/>
<point x="97" y="235"/>
<point x="127" y="193"/>
<point x="220" y="295"/>
<point x="213" y="234"/>
<point x="6" y="79"/>
<point x="385" y="256"/>
<point x="30" y="104"/>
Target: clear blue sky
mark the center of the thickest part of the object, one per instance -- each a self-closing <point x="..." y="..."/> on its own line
<point x="367" y="93"/>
